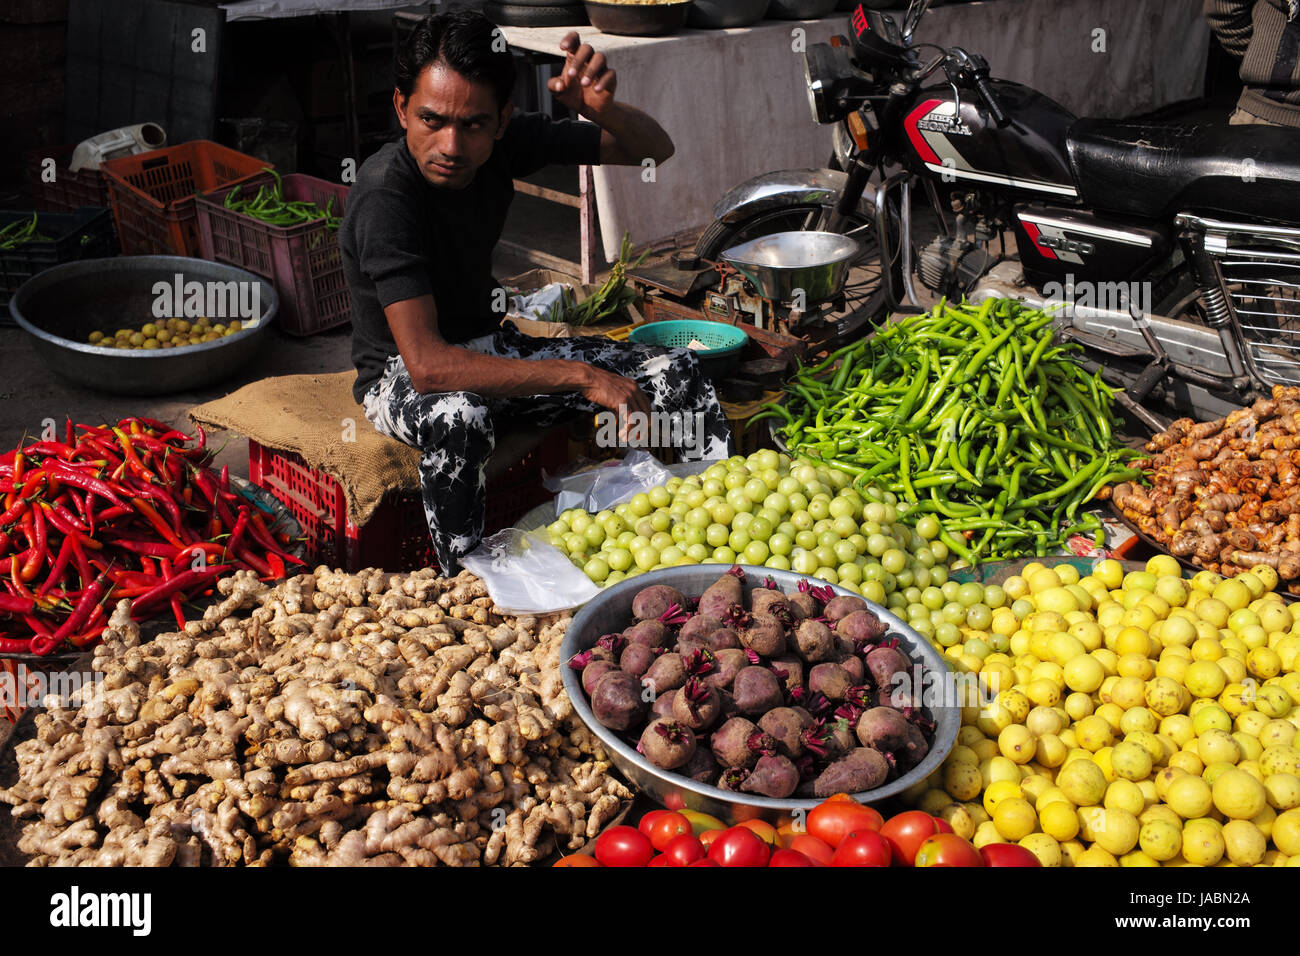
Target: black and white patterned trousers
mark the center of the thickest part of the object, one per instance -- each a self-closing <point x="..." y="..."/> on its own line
<point x="455" y="431"/>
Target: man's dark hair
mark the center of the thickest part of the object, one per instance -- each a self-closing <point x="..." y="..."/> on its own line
<point x="462" y="39"/>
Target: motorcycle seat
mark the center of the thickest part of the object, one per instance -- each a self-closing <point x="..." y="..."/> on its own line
<point x="1158" y="171"/>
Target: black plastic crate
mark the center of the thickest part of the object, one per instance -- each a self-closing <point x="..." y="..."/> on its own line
<point x="86" y="233"/>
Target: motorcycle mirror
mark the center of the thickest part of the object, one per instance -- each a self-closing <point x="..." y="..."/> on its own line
<point x="915" y="11"/>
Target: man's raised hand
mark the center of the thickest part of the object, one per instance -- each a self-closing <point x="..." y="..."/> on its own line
<point x="586" y="83"/>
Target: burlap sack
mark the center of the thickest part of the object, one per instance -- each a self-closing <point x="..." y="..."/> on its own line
<point x="316" y="417"/>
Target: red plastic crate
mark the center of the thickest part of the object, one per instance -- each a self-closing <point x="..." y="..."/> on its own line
<point x="397" y="536"/>
<point x="152" y="193"/>
<point x="303" y="261"/>
<point x="69" y="191"/>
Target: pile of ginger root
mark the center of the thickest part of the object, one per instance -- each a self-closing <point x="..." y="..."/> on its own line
<point x="1225" y="494"/>
<point x="374" y="719"/>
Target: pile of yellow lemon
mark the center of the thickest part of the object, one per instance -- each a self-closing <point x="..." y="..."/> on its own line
<point x="1134" y="719"/>
<point x="167" y="334"/>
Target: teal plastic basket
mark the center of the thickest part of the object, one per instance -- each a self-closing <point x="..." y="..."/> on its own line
<point x="719" y="341"/>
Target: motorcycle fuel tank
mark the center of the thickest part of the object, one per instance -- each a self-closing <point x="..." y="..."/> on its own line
<point x="970" y="148"/>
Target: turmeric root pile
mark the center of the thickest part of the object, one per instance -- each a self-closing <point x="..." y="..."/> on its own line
<point x="1226" y="494"/>
<point x="370" y="719"/>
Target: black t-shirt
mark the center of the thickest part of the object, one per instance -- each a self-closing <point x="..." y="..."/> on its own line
<point x="403" y="237"/>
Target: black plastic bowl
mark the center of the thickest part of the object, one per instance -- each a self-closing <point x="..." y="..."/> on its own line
<point x="638" y="19"/>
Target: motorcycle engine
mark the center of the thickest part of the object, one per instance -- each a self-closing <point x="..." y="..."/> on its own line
<point x="951" y="266"/>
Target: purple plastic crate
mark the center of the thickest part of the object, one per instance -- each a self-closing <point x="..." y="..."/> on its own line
<point x="303" y="261"/>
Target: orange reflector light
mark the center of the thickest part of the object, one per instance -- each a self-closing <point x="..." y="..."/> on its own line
<point x="858" y="129"/>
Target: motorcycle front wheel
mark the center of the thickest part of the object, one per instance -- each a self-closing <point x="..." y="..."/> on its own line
<point x="864" y="293"/>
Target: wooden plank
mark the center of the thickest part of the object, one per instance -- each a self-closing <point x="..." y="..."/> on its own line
<point x="587" y="224"/>
<point x="551" y="195"/>
<point x="537" y="257"/>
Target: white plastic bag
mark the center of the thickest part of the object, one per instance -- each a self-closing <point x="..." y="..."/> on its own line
<point x="525" y="574"/>
<point x="538" y="305"/>
<point x="609" y="485"/>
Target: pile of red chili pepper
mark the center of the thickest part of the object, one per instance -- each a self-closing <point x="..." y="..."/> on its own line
<point x="127" y="510"/>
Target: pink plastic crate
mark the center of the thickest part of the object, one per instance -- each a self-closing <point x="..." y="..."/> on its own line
<point x="303" y="261"/>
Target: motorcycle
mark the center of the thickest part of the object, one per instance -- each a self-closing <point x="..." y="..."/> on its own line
<point x="1172" y="253"/>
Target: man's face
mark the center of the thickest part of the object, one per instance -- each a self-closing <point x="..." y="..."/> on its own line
<point x="451" y="124"/>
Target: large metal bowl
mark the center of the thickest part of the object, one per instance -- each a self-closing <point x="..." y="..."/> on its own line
<point x="785" y="263"/>
<point x="61" y="306"/>
<point x="726" y="14"/>
<point x="638" y="19"/>
<point x="800" y="9"/>
<point x="612" y="611"/>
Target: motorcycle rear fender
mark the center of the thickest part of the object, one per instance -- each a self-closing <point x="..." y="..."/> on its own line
<point x="784" y="188"/>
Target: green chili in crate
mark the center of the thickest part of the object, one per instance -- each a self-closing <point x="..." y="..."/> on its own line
<point x="20" y="232"/>
<point x="270" y="206"/>
<point x="970" y="412"/>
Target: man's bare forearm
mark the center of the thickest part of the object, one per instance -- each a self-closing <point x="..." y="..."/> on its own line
<point x="455" y="369"/>
<point x="437" y="366"/>
<point x="636" y="134"/>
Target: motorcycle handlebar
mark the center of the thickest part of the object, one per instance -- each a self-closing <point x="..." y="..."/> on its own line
<point x="973" y="69"/>
<point x="991" y="100"/>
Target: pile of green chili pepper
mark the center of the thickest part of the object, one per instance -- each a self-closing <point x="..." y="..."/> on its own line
<point x="971" y="413"/>
<point x="269" y="206"/>
<point x="20" y="232"/>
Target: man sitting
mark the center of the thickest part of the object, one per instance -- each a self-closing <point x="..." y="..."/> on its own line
<point x="436" y="367"/>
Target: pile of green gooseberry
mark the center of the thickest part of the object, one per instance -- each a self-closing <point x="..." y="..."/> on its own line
<point x="766" y="510"/>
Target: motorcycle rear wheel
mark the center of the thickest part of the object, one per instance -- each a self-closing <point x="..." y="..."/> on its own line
<point x="864" y="292"/>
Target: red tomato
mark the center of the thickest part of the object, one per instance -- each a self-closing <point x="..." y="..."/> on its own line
<point x="705" y="862"/>
<point x="577" y="859"/>
<point x="1007" y="854"/>
<point x="947" y="849"/>
<point x="684" y="850"/>
<point x="789" y="858"/>
<point x="667" y="827"/>
<point x="943" y="825"/>
<point x="862" y="848"/>
<point x="648" y="820"/>
<point x="835" y="819"/>
<point x="819" y="851"/>
<point x="906" y="832"/>
<point x="764" y="831"/>
<point x="623" y="846"/>
<point x="739" y="846"/>
<point x="660" y="860"/>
